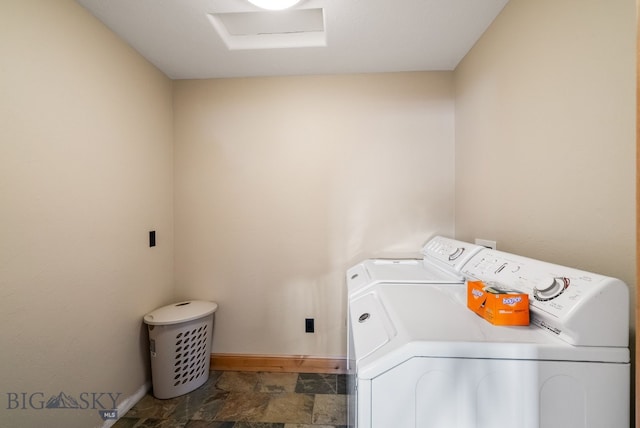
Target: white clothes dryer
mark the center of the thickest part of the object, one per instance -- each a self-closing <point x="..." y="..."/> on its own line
<point x="421" y="358"/>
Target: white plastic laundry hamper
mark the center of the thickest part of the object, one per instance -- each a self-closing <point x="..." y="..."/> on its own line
<point x="180" y="346"/>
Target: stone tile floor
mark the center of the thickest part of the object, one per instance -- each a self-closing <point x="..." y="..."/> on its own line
<point x="249" y="400"/>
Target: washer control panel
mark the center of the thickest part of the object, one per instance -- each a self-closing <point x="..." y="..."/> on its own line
<point x="449" y="253"/>
<point x="580" y="307"/>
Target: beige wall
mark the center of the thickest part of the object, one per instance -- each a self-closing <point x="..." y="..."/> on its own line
<point x="282" y="183"/>
<point x="85" y="173"/>
<point x="545" y="134"/>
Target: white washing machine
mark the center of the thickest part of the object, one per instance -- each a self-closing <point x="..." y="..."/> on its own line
<point x="442" y="260"/>
<point x="421" y="358"/>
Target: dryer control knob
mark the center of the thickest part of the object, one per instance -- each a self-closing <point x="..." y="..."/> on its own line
<point x="550" y="288"/>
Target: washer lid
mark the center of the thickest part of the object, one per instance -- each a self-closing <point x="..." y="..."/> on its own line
<point x="180" y="312"/>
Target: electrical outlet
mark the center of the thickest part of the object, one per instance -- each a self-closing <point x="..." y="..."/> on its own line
<point x="309" y="326"/>
<point x="486" y="243"/>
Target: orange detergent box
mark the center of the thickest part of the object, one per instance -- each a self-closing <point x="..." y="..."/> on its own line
<point x="498" y="305"/>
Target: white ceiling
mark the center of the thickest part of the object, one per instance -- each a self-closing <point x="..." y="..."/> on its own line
<point x="357" y="36"/>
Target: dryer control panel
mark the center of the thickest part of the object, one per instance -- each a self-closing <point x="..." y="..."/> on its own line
<point x="579" y="307"/>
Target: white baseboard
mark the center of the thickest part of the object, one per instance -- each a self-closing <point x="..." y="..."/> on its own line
<point x="128" y="403"/>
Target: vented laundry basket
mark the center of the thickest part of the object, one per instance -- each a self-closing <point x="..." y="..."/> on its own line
<point x="180" y="346"/>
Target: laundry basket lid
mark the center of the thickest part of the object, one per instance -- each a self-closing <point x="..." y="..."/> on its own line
<point x="180" y="312"/>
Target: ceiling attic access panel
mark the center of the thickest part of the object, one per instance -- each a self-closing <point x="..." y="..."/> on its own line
<point x="271" y="30"/>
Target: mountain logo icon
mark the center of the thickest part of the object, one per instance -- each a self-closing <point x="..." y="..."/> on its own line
<point x="62" y="401"/>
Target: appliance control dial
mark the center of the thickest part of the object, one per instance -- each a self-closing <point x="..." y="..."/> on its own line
<point x="457" y="253"/>
<point x="550" y="288"/>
